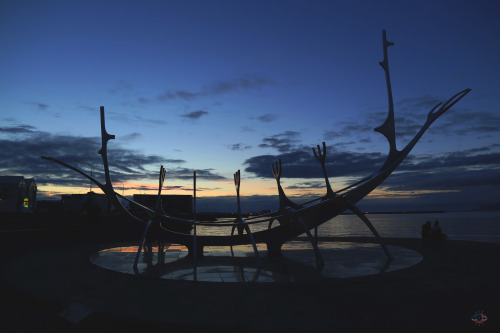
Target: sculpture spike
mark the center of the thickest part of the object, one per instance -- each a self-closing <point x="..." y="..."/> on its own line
<point x="388" y="128"/>
<point x="195" y="250"/>
<point x="284" y="201"/>
<point x="276" y="170"/>
<point x="159" y="206"/>
<point x="153" y="223"/>
<point x="321" y="157"/>
<point x="239" y="219"/>
<point x="240" y="223"/>
<point x="237" y="185"/>
<point x="447" y="105"/>
<point x="105" y="137"/>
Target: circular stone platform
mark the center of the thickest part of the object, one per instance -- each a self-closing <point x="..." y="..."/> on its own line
<point x="441" y="293"/>
<point x="239" y="264"/>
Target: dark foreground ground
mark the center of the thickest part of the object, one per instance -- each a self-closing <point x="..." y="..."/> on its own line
<point x="43" y="272"/>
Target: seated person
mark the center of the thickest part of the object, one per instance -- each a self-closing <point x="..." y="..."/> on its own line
<point x="426" y="229"/>
<point x="436" y="231"/>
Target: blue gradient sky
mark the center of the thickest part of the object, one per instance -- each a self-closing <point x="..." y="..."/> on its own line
<point x="217" y="86"/>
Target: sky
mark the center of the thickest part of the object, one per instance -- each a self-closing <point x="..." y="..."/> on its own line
<point x="221" y="86"/>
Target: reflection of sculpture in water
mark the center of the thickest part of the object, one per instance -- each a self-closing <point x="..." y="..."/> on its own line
<point x="293" y="219"/>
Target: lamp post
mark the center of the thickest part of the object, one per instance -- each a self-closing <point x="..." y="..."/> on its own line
<point x="123" y="192"/>
<point x="91" y="170"/>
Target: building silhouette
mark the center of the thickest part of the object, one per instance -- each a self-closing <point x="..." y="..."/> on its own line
<point x="174" y="205"/>
<point x="90" y="201"/>
<point x="17" y="194"/>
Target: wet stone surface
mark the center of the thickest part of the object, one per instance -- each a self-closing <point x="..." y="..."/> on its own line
<point x="222" y="264"/>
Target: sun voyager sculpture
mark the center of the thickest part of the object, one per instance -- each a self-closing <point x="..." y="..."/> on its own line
<point x="293" y="219"/>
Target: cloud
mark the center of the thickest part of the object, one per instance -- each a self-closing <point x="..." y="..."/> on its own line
<point x="142" y="187"/>
<point x="131" y="137"/>
<point x="246" y="129"/>
<point x="355" y="127"/>
<point x="245" y="82"/>
<point x="488" y="158"/>
<point x="242" y="83"/>
<point x="307" y="185"/>
<point x="186" y="174"/>
<point x="195" y="115"/>
<point x="282" y="142"/>
<point x="23" y="145"/>
<point x="454" y="179"/>
<point x="474" y="167"/>
<point x="239" y="146"/>
<point x="426" y="102"/>
<point x="465" y="122"/>
<point x="8" y="119"/>
<point x="121" y="86"/>
<point x="92" y="109"/>
<point x="40" y="106"/>
<point x="302" y="164"/>
<point x="267" y="118"/>
<point x="133" y="118"/>
<point x="20" y="129"/>
<point x="411" y="114"/>
<point x="331" y="135"/>
<point x="182" y="94"/>
<point x="457" y="180"/>
<point x="439" y="189"/>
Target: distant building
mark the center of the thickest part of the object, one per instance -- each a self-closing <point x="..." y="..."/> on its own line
<point x="83" y="202"/>
<point x="174" y="205"/>
<point x="17" y="194"/>
<point x="45" y="206"/>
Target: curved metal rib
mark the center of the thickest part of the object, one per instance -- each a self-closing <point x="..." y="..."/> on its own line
<point x="314" y="243"/>
<point x="254" y="245"/>
<point x="363" y="217"/>
<point x="141" y="244"/>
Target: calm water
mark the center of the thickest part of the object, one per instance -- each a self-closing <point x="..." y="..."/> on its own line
<point x="474" y="226"/>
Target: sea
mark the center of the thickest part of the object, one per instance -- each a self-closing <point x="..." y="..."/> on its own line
<point x="471" y="226"/>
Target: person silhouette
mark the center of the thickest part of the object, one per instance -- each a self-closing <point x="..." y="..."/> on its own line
<point x="437" y="232"/>
<point x="426" y="230"/>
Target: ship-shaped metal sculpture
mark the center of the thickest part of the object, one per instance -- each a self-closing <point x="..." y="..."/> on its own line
<point x="293" y="219"/>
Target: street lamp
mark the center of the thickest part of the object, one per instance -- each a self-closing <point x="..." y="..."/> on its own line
<point x="91" y="169"/>
<point x="123" y="191"/>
